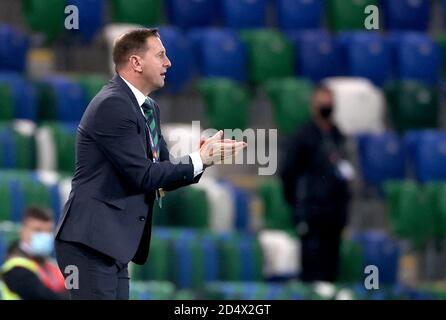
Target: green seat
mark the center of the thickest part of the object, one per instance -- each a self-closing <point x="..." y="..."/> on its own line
<point x="91" y="84"/>
<point x="25" y="151"/>
<point x="234" y="249"/>
<point x="270" y="55"/>
<point x="193" y="208"/>
<point x="36" y="193"/>
<point x="144" y="12"/>
<point x="46" y="102"/>
<point x="291" y="99"/>
<point x="277" y="213"/>
<point x="65" y="141"/>
<point x="6" y="103"/>
<point x="351" y="262"/>
<point x="45" y="16"/>
<point x="441" y="41"/>
<point x="226" y="102"/>
<point x="5" y="200"/>
<point x="411" y="211"/>
<point x="412" y="105"/>
<point x="347" y="14"/>
<point x="437" y="194"/>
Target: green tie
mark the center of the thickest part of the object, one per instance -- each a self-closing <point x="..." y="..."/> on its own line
<point x="149" y="113"/>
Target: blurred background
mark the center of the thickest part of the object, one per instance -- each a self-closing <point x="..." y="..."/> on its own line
<point x="246" y="64"/>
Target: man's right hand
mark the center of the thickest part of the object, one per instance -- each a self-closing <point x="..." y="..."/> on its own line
<point x="214" y="150"/>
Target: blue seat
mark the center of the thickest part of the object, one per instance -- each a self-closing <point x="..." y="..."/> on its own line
<point x="14" y="46"/>
<point x="428" y="155"/>
<point x="243" y="14"/>
<point x="299" y="14"/>
<point x="220" y="53"/>
<point x="381" y="251"/>
<point x="191" y="13"/>
<point x="317" y="55"/>
<point x="180" y="54"/>
<point x="387" y="164"/>
<point x="407" y="14"/>
<point x="366" y="54"/>
<point x="91" y="17"/>
<point x="416" y="57"/>
<point x="3" y="249"/>
<point x="250" y="258"/>
<point x="69" y="98"/>
<point x="7" y="147"/>
<point x="24" y="95"/>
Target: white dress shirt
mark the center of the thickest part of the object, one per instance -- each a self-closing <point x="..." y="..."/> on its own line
<point x="195" y="156"/>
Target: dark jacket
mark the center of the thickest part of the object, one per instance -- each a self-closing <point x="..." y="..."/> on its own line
<point x="311" y="181"/>
<point x="113" y="190"/>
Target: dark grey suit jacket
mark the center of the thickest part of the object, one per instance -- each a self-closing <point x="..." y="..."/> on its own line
<point x="113" y="190"/>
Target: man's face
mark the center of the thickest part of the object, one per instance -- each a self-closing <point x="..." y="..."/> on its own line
<point x="32" y="225"/>
<point x="154" y="63"/>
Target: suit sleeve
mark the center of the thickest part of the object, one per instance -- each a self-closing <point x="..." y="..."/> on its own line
<point x="115" y="132"/>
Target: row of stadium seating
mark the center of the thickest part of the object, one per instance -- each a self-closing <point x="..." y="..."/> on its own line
<point x="48" y="18"/>
<point x="419" y="154"/>
<point x="410" y="104"/>
<point x="261" y="55"/>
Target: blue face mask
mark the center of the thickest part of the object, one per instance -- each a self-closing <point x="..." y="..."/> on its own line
<point x="42" y="244"/>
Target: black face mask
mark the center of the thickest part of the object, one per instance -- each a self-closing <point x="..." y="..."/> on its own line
<point x="326" y="111"/>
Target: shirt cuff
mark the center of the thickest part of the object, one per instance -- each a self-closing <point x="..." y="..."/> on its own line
<point x="197" y="163"/>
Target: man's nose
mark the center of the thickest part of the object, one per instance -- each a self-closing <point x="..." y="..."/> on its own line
<point x="167" y="63"/>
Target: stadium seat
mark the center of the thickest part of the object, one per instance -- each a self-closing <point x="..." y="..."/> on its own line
<point x="240" y="200"/>
<point x="220" y="53"/>
<point x="281" y="252"/>
<point x="6" y="206"/>
<point x="6" y="103"/>
<point x="14" y="46"/>
<point x="151" y="290"/>
<point x="17" y="147"/>
<point x="244" y="14"/>
<point x="436" y="193"/>
<point x="56" y="146"/>
<point x="226" y="103"/>
<point x="240" y="258"/>
<point x="148" y="13"/>
<point x="367" y="55"/>
<point x="180" y="54"/>
<point x="347" y="14"/>
<point x="23" y="96"/>
<point x="221" y="205"/>
<point x="441" y="42"/>
<point x="381" y="251"/>
<point x="412" y="50"/>
<point x="291" y="103"/>
<point x="194" y="260"/>
<point x="270" y="55"/>
<point x="60" y="99"/>
<point x="191" y="13"/>
<point x="277" y="213"/>
<point x="429" y="156"/>
<point x="91" y="84"/>
<point x="412" y="105"/>
<point x="317" y="54"/>
<point x="91" y="17"/>
<point x="350" y="262"/>
<point x="411" y="211"/>
<point x="45" y="16"/>
<point x="407" y="14"/>
<point x="300" y="14"/>
<point x="387" y="164"/>
<point x="359" y="105"/>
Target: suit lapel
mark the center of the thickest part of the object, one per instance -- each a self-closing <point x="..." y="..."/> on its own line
<point x="136" y="108"/>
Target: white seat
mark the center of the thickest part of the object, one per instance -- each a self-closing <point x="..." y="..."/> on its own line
<point x="359" y="105"/>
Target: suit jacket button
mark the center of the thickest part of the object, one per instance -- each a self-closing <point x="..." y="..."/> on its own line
<point x="142" y="218"/>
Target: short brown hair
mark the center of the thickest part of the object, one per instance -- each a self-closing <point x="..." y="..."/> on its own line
<point x="132" y="42"/>
<point x="38" y="213"/>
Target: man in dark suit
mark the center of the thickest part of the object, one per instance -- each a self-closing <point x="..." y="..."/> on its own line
<point x="315" y="176"/>
<point x="122" y="167"/>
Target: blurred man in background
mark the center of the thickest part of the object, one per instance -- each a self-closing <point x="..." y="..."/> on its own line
<point x="315" y="178"/>
<point x="28" y="272"/>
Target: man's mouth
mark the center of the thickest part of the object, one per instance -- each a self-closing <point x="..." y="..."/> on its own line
<point x="163" y="74"/>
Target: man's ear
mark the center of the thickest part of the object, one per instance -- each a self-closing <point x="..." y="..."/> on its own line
<point x="135" y="63"/>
